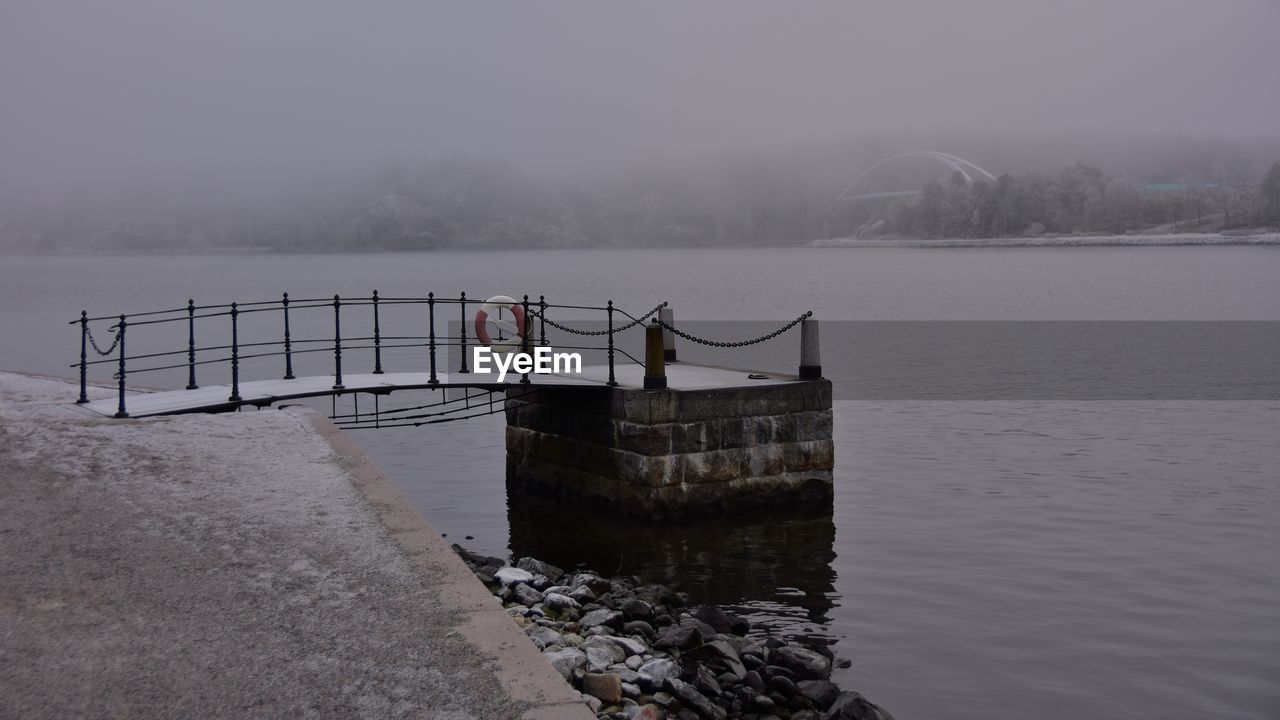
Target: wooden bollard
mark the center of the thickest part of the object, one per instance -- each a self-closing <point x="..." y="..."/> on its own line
<point x="810" y="359"/>
<point x="668" y="317"/>
<point x="655" y="370"/>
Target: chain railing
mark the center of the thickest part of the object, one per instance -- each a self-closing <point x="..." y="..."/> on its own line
<point x="285" y="342"/>
<point x="738" y="343"/>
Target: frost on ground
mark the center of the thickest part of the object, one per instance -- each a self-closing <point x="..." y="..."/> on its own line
<point x="1135" y="240"/>
<point x="207" y="565"/>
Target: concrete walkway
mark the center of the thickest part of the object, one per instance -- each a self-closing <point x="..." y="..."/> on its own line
<point x="242" y="565"/>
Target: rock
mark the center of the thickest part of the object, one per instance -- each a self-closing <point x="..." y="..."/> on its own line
<point x="659" y="595"/>
<point x="705" y="632"/>
<point x="720" y="652"/>
<point x="654" y="673"/>
<point x="526" y="595"/>
<point x="602" y="616"/>
<point x="566" y="661"/>
<point x="630" y="690"/>
<point x="595" y="583"/>
<point x="819" y="692"/>
<point x="804" y="662"/>
<point x="538" y="567"/>
<point x="582" y="594"/>
<point x="543" y="636"/>
<point x="599" y="657"/>
<point x="715" y="617"/>
<point x="605" y="642"/>
<point x="754" y="681"/>
<point x="678" y="637"/>
<point x="638" y="627"/>
<point x="773" y="671"/>
<point x="559" y="602"/>
<point x="634" y="662"/>
<point x="592" y="702"/>
<point x="630" y="646"/>
<point x="852" y="706"/>
<point x="662" y="699"/>
<point x="508" y="575"/>
<point x="636" y="609"/>
<point x="706" y="682"/>
<point x="540" y="582"/>
<point x="648" y="712"/>
<point x="605" y="686"/>
<point x="689" y="696"/>
<point x="783" y="684"/>
<point x="763" y="704"/>
<point x="476" y="559"/>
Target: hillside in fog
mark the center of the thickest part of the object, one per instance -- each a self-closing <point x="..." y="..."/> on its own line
<point x="1175" y="185"/>
<point x="144" y="126"/>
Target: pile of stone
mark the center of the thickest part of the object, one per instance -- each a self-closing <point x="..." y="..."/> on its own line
<point x="637" y="653"/>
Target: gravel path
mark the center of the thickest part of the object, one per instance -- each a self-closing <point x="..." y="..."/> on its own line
<point x="225" y="566"/>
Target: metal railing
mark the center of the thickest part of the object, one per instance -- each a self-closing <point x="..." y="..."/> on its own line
<point x="287" y="346"/>
<point x="282" y="341"/>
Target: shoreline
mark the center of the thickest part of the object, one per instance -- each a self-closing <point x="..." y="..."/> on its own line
<point x="1265" y="238"/>
<point x="637" y="651"/>
<point x="1260" y="239"/>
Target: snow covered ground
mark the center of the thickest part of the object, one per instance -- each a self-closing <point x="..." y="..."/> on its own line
<point x="1190" y="239"/>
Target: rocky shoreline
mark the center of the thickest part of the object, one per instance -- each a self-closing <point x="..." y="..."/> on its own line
<point x="636" y="651"/>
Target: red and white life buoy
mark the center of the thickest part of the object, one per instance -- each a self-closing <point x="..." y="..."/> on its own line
<point x="490" y="312"/>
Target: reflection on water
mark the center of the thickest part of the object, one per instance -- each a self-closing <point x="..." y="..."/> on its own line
<point x="775" y="565"/>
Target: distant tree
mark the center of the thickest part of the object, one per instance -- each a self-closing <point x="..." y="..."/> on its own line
<point x="1269" y="192"/>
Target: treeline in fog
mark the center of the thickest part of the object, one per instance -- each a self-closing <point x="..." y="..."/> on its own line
<point x="1079" y="199"/>
<point x="784" y="197"/>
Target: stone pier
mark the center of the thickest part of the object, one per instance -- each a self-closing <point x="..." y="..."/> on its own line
<point x="674" y="453"/>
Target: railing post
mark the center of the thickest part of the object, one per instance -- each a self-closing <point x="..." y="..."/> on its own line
<point x="431" y="335"/>
<point x="524" y="336"/>
<point x="462" y="339"/>
<point x="542" y="324"/>
<point x="288" y="345"/>
<point x="235" y="354"/>
<point x="655" y="371"/>
<point x="337" y="343"/>
<point x="609" y="309"/>
<point x="120" y="410"/>
<point x="191" y="344"/>
<point x="668" y="317"/>
<point x="810" y="359"/>
<point x="84" y="358"/>
<point x="377" y="338"/>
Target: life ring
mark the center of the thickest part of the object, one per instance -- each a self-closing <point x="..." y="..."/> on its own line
<point x="493" y="307"/>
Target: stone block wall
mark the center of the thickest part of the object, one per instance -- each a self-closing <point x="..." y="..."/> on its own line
<point x="674" y="453"/>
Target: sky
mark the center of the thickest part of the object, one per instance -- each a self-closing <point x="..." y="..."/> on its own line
<point x="245" y="92"/>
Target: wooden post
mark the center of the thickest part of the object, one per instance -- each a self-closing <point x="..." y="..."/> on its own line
<point x="655" y="370"/>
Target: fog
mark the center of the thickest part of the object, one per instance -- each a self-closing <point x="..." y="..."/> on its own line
<point x="242" y="96"/>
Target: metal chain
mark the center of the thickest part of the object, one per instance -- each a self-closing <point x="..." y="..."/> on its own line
<point x="740" y="343"/>
<point x="619" y="329"/>
<point x="94" y="343"/>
